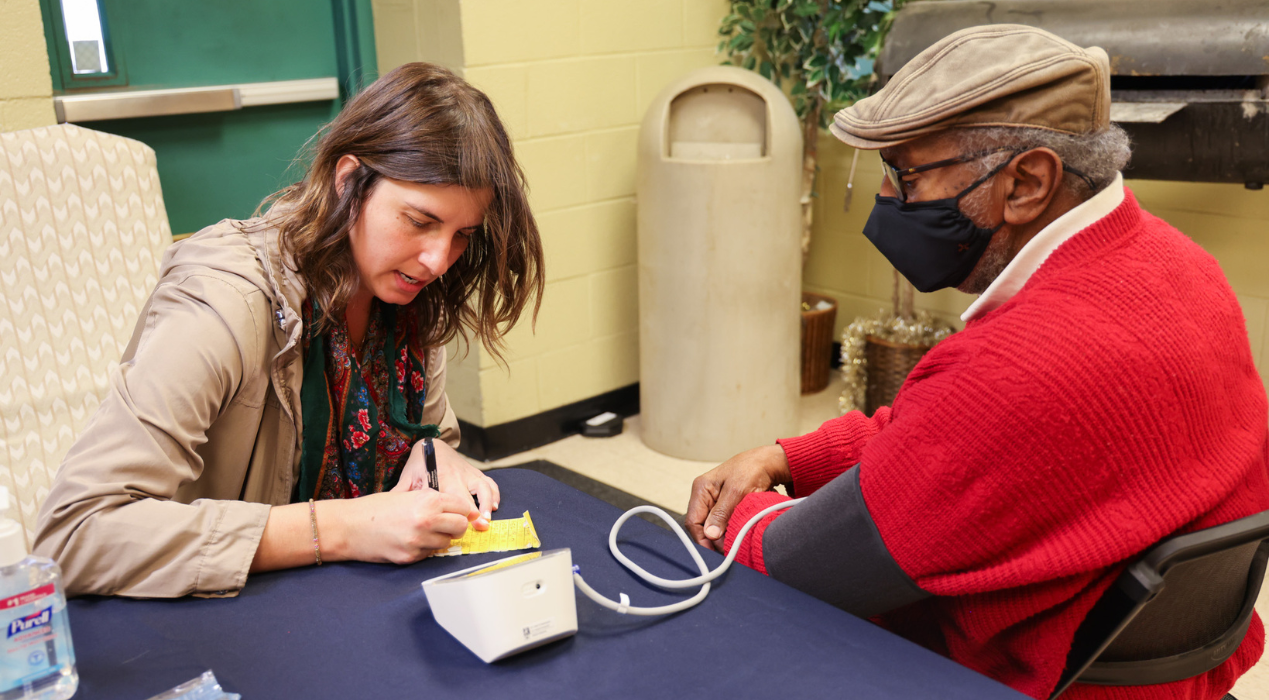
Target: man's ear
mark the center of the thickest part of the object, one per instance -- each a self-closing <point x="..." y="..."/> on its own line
<point x="1034" y="180"/>
<point x="346" y="164"/>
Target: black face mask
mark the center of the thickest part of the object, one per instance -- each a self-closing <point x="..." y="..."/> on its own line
<point x="931" y="243"/>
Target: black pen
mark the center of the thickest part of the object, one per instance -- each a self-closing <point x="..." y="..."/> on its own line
<point x="429" y="458"/>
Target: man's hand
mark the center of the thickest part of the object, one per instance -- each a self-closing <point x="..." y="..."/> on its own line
<point x="457" y="477"/>
<point x="716" y="492"/>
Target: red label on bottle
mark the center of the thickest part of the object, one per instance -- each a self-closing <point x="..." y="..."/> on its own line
<point x="29" y="597"/>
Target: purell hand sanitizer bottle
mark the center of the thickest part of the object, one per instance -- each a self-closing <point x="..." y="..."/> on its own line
<point x="36" y="659"/>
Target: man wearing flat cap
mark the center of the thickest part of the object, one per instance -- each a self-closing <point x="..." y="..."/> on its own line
<point x="1101" y="396"/>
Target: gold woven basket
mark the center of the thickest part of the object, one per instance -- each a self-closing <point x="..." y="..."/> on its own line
<point x="889" y="364"/>
<point x="817" y="342"/>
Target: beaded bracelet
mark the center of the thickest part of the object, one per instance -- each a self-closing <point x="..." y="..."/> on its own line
<point x="312" y="516"/>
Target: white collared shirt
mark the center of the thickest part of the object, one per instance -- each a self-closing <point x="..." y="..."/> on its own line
<point x="1038" y="249"/>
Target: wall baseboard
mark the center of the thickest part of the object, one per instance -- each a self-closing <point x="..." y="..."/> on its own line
<point x="498" y="441"/>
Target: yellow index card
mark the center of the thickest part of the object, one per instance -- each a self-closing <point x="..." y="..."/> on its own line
<point x="502" y="536"/>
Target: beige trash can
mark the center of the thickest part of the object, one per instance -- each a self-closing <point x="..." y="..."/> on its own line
<point x="720" y="265"/>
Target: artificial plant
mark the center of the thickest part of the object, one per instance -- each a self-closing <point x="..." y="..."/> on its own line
<point x="821" y="52"/>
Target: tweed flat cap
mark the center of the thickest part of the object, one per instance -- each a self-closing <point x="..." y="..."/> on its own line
<point x="993" y="75"/>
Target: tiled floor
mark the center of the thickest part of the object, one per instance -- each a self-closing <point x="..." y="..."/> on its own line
<point x="624" y="462"/>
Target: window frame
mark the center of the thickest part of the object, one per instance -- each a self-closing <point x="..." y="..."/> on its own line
<point x="61" y="69"/>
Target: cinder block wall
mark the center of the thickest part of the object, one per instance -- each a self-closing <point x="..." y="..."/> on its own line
<point x="571" y="79"/>
<point x="26" y="90"/>
<point x="1226" y="220"/>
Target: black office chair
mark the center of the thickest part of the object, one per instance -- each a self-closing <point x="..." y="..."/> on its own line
<point x="1179" y="611"/>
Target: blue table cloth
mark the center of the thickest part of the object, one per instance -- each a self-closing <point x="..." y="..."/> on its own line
<point x="352" y="630"/>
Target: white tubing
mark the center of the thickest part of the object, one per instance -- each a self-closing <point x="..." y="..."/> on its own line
<point x="703" y="580"/>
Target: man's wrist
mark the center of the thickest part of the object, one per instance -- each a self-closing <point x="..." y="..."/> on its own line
<point x="778" y="465"/>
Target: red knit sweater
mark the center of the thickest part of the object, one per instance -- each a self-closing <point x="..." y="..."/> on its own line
<point x="1110" y="403"/>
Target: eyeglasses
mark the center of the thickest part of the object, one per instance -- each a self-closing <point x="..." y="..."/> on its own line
<point x="895" y="175"/>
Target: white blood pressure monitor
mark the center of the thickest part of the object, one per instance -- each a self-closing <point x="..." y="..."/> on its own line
<point x="513" y="604"/>
<point x="507" y="606"/>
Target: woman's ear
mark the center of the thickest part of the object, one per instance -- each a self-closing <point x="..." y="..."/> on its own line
<point x="346" y="164"/>
<point x="1036" y="178"/>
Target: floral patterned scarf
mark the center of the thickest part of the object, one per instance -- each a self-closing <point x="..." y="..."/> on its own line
<point x="361" y="411"/>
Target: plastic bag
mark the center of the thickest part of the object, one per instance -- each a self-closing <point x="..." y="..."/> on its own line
<point x="205" y="687"/>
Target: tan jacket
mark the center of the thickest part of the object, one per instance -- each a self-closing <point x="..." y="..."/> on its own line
<point x="167" y="490"/>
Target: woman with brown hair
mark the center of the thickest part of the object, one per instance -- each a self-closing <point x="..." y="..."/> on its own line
<point x="287" y="375"/>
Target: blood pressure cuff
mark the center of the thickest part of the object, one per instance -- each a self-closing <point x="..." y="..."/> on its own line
<point x="828" y="546"/>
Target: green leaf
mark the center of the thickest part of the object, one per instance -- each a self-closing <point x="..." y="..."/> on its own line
<point x="825" y="49"/>
<point x="806" y="9"/>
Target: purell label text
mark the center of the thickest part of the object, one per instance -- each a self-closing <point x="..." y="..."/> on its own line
<point x="36" y="619"/>
<point x="27" y="597"/>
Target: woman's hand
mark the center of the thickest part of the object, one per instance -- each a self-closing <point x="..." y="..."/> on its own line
<point x="716" y="492"/>
<point x="397" y="527"/>
<point x="457" y="477"/>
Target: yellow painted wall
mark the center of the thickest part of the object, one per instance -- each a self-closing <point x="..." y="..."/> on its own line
<point x="418" y="30"/>
<point x="26" y="90"/>
<point x="571" y="80"/>
<point x="1228" y="221"/>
